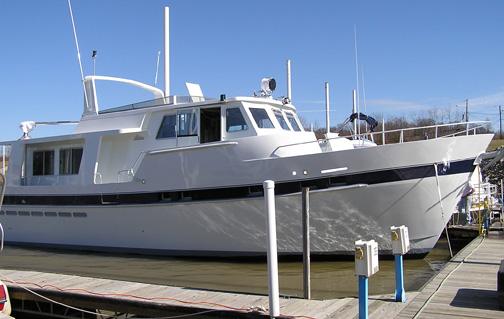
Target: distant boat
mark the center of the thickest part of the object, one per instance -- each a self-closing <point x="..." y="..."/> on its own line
<point x="183" y="176"/>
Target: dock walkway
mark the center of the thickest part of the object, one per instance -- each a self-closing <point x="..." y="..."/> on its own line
<point x="466" y="287"/>
<point x="158" y="300"/>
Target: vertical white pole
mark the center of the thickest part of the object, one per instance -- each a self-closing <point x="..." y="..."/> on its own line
<point x="167" y="50"/>
<point x="289" y="83"/>
<point x="354" y="109"/>
<point x="3" y="160"/>
<point x="327" y="121"/>
<point x="383" y="130"/>
<point x="269" y="202"/>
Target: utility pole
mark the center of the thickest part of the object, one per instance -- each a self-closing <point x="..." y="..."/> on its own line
<point x="467" y="110"/>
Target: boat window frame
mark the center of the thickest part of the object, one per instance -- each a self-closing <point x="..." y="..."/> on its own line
<point x="251" y="110"/>
<point x="296" y="120"/>
<point x="281" y="113"/>
<point x="44" y="151"/>
<point x="244" y="118"/>
<point x="193" y="130"/>
<point x="158" y="137"/>
<point x="72" y="167"/>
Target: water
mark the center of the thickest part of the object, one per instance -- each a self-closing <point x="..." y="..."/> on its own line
<point x="330" y="279"/>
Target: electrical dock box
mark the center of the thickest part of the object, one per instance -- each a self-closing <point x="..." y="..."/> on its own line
<point x="400" y="240"/>
<point x="366" y="258"/>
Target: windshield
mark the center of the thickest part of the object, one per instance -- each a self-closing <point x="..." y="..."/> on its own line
<point x="281" y="120"/>
<point x="293" y="122"/>
<point x="261" y="118"/>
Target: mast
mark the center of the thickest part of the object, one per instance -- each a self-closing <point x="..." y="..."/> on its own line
<point x="289" y="83"/>
<point x="354" y="110"/>
<point x="328" y="126"/>
<point x="167" y="51"/>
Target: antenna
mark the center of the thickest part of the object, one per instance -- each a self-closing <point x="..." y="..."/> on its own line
<point x="364" y="93"/>
<point x="157" y="68"/>
<point x="354" y="109"/>
<point x="167" y="51"/>
<point x="328" y="126"/>
<point x="78" y="53"/>
<point x="357" y="75"/>
<point x="289" y="83"/>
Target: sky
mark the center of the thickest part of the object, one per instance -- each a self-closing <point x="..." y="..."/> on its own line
<point x="414" y="57"/>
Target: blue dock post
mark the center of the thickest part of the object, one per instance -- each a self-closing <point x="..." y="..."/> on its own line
<point x="400" y="294"/>
<point x="366" y="265"/>
<point x="363" y="297"/>
<point x="400" y="246"/>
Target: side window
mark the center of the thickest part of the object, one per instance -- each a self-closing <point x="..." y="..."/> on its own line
<point x="69" y="161"/>
<point x="187" y="123"/>
<point x="235" y="121"/>
<point x="281" y="120"/>
<point x="261" y="118"/>
<point x="167" y="128"/>
<point x="293" y="122"/>
<point x="43" y="163"/>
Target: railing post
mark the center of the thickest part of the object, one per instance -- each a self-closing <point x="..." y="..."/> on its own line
<point x="306" y="243"/>
<point x="269" y="202"/>
<point x="436" y="132"/>
<point x="401" y="137"/>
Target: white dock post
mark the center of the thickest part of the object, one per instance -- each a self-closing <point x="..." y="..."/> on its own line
<point x="269" y="203"/>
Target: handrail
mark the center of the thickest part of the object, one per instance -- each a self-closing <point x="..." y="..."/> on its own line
<point x="401" y="132"/>
<point x="98" y="174"/>
<point x="168" y="100"/>
<point x="192" y="147"/>
<point x="129" y="172"/>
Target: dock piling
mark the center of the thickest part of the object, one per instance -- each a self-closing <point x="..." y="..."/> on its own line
<point x="269" y="201"/>
<point x="306" y="243"/>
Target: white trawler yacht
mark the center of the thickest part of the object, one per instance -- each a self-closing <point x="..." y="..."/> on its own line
<point x="183" y="176"/>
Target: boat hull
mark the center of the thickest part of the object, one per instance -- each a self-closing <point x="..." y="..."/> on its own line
<point x="237" y="227"/>
<point x="356" y="194"/>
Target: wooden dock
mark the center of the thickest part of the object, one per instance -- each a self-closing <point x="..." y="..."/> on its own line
<point x="156" y="300"/>
<point x="466" y="287"/>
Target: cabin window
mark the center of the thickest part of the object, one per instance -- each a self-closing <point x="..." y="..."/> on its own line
<point x="187" y="123"/>
<point x="281" y="120"/>
<point x="261" y="118"/>
<point x="43" y="163"/>
<point x="293" y="122"/>
<point x="69" y="161"/>
<point x="235" y="121"/>
<point x="167" y="128"/>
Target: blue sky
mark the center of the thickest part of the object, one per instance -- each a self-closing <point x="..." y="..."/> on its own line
<point x="417" y="56"/>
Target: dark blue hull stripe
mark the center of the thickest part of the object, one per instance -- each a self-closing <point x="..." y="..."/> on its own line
<point x="281" y="188"/>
